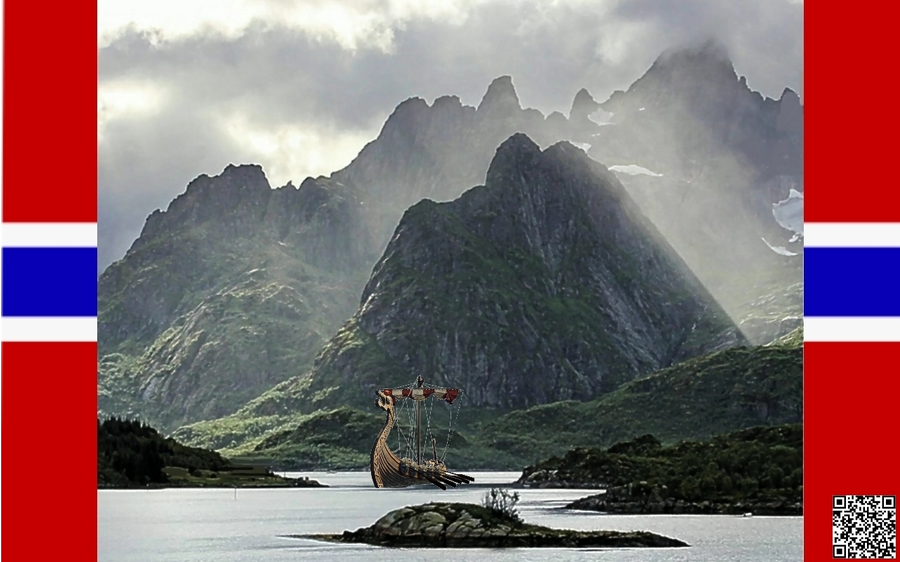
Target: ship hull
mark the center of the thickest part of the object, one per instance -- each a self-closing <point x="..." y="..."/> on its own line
<point x="389" y="471"/>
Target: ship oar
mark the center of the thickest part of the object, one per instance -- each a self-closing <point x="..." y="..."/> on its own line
<point x="454" y="478"/>
<point x="448" y="481"/>
<point x="464" y="479"/>
<point x="436" y="482"/>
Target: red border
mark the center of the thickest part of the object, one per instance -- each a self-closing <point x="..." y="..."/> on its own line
<point x="850" y="420"/>
<point x="49" y="451"/>
<point x="49" y="111"/>
<point x="851" y="427"/>
<point x="49" y="390"/>
<point x="850" y="116"/>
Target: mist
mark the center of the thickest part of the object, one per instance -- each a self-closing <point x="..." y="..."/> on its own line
<point x="302" y="100"/>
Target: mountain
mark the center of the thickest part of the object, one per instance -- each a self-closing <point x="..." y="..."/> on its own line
<point x="229" y="291"/>
<point x="716" y="393"/>
<point x="721" y="155"/>
<point x="705" y="396"/>
<point x="237" y="287"/>
<point x="690" y="107"/>
<point x="544" y="284"/>
<point x="436" y="151"/>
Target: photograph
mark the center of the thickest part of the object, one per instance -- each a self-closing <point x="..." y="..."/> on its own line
<point x="473" y="280"/>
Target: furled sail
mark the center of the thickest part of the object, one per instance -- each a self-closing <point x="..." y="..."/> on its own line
<point x="418" y="394"/>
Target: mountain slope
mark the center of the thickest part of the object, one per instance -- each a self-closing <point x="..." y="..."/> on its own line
<point x="544" y="284"/>
<point x="697" y="399"/>
<point x="722" y="156"/>
<point x="437" y="151"/>
<point x="234" y="288"/>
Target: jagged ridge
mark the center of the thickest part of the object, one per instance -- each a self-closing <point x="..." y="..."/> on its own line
<point x="545" y="284"/>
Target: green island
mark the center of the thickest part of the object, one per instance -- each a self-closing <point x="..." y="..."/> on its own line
<point x="131" y="454"/>
<point x="461" y="525"/>
<point x="757" y="470"/>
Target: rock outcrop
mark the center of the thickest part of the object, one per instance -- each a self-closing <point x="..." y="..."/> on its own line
<point x="621" y="499"/>
<point x="231" y="290"/>
<point x="443" y="525"/>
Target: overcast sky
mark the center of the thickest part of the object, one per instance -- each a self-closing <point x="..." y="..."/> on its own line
<point x="188" y="86"/>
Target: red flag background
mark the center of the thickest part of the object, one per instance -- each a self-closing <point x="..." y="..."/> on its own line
<point x="49" y="390"/>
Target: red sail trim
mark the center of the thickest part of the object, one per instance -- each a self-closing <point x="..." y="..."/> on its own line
<point x="448" y="394"/>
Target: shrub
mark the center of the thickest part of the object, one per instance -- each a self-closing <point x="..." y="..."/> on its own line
<point x="504" y="501"/>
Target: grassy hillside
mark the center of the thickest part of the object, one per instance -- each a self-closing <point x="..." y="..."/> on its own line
<point x="701" y="397"/>
<point x="713" y="394"/>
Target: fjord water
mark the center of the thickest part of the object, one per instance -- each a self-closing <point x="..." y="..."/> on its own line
<point x="200" y="525"/>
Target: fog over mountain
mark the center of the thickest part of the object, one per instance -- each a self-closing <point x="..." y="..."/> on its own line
<point x="301" y="89"/>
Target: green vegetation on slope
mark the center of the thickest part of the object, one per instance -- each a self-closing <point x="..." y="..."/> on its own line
<point x="760" y="464"/>
<point x="130" y="454"/>
<point x="709" y="395"/>
<point x="723" y="391"/>
<point x="546" y="283"/>
<point x="230" y="291"/>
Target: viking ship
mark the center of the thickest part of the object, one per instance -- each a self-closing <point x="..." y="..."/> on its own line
<point x="391" y="471"/>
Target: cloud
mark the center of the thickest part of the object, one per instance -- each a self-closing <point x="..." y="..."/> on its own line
<point x="186" y="88"/>
<point x="352" y="24"/>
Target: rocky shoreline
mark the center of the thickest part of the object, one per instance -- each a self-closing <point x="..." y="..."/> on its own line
<point x="619" y="500"/>
<point x="454" y="525"/>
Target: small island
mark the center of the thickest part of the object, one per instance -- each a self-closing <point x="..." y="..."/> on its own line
<point x="461" y="525"/>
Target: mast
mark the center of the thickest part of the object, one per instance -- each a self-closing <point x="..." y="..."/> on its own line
<point x="419" y="382"/>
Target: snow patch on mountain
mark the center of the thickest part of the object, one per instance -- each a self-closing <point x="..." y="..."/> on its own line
<point x="779" y="249"/>
<point x="789" y="213"/>
<point x="633" y="170"/>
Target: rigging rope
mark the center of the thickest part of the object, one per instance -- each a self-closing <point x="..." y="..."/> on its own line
<point x="428" y="420"/>
<point x="407" y="436"/>
<point x="450" y="424"/>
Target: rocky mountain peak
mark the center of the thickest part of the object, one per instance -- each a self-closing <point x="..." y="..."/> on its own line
<point x="407" y="116"/>
<point x="501" y="97"/>
<point x="514" y="153"/>
<point x="583" y="105"/>
<point x="574" y="290"/>
<point x="238" y="195"/>
<point x="693" y="75"/>
<point x="790" y="113"/>
<point x="709" y="51"/>
<point x="790" y="97"/>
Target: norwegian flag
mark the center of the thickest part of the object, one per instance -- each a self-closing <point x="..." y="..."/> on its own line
<point x="48" y="271"/>
<point x="852" y="265"/>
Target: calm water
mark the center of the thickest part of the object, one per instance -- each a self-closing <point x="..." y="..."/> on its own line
<point x="192" y="525"/>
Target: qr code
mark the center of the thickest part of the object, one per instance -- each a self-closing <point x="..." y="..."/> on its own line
<point x="864" y="527"/>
